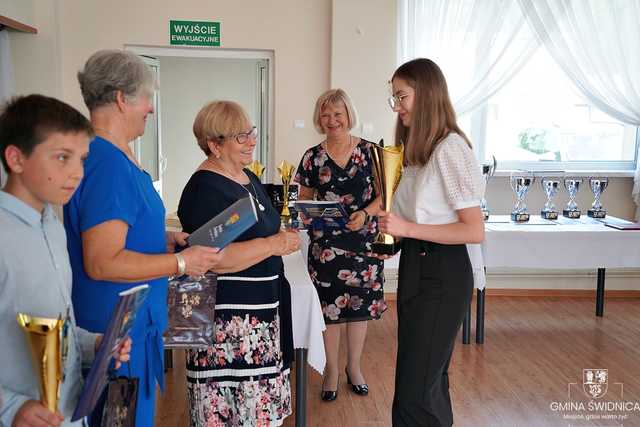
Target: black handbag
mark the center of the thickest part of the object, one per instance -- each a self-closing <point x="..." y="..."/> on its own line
<point x="120" y="406"/>
<point x="191" y="303"/>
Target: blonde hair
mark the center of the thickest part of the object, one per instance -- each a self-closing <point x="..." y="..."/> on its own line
<point x="335" y="97"/>
<point x="217" y="121"/>
<point x="432" y="117"/>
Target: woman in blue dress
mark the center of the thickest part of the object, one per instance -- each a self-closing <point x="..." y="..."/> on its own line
<point x="115" y="222"/>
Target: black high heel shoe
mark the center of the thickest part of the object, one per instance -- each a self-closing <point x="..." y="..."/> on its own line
<point x="359" y="389"/>
<point x="330" y="395"/>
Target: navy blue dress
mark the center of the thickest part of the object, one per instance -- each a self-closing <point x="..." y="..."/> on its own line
<point x="349" y="283"/>
<point x="114" y="188"/>
<point x="243" y="377"/>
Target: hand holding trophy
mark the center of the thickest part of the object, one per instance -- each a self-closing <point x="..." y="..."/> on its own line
<point x="48" y="344"/>
<point x="387" y="168"/>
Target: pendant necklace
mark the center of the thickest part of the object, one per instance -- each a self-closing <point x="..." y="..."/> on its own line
<point x="230" y="176"/>
<point x="260" y="205"/>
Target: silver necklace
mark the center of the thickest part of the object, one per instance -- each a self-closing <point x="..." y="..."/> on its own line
<point x="260" y="205"/>
<point x="230" y="176"/>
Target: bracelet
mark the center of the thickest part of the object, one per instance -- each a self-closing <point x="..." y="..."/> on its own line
<point x="367" y="217"/>
<point x="182" y="264"/>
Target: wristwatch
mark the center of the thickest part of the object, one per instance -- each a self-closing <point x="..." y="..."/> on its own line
<point x="367" y="217"/>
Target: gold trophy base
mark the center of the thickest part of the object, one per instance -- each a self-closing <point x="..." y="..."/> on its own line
<point x="599" y="213"/>
<point x="573" y="214"/>
<point x="385" y="244"/>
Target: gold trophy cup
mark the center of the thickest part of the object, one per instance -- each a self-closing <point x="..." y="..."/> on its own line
<point x="387" y="167"/>
<point x="257" y="168"/>
<point x="285" y="169"/>
<point x="45" y="339"/>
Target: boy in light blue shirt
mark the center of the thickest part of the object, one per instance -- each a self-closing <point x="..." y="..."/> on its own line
<point x="43" y="144"/>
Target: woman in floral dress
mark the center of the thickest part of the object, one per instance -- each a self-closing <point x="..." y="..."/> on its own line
<point x="242" y="379"/>
<point x="348" y="282"/>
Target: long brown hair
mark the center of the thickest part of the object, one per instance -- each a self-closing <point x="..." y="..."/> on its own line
<point x="432" y="115"/>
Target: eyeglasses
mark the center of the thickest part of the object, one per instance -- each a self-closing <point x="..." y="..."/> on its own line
<point x="243" y="137"/>
<point x="395" y="100"/>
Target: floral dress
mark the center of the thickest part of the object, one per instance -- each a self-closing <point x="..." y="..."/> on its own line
<point x="242" y="379"/>
<point x="349" y="283"/>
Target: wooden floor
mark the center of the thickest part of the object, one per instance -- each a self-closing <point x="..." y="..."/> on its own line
<point x="534" y="348"/>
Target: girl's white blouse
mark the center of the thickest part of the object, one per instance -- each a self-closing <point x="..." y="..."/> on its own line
<point x="450" y="181"/>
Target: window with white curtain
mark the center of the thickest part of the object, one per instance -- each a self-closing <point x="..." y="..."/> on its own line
<point x="513" y="98"/>
<point x="539" y="120"/>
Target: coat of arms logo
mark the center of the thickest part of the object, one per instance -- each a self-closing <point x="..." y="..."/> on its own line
<point x="595" y="382"/>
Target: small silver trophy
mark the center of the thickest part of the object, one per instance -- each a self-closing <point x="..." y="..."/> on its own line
<point x="572" y="185"/>
<point x="598" y="185"/>
<point x="550" y="187"/>
<point x="520" y="184"/>
<point x="488" y="169"/>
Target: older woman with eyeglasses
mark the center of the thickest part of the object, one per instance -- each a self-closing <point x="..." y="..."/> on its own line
<point x="242" y="379"/>
<point x="115" y="222"/>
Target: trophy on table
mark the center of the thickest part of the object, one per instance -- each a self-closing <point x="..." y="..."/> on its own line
<point x="285" y="169"/>
<point x="387" y="167"/>
<point x="572" y="185"/>
<point x="48" y="349"/>
<point x="598" y="185"/>
<point x="520" y="184"/>
<point x="550" y="187"/>
<point x="257" y="168"/>
<point x="488" y="169"/>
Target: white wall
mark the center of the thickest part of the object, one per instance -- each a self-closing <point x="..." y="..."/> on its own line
<point x="18" y="10"/>
<point x="363" y="58"/>
<point x="296" y="30"/>
<point x="186" y="85"/>
<point x="36" y="57"/>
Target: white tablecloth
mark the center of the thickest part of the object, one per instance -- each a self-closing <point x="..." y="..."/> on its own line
<point x="572" y="244"/>
<point x="308" y="322"/>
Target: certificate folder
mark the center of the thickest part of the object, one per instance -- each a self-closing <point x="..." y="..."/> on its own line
<point x="225" y="227"/>
<point x="333" y="214"/>
<point x="621" y="224"/>
<point x="122" y="319"/>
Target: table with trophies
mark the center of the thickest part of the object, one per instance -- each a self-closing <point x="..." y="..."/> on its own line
<point x="555" y="239"/>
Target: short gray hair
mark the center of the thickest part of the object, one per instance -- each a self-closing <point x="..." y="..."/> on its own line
<point x="109" y="71"/>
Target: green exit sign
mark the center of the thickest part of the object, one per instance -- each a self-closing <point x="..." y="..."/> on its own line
<point x="194" y="33"/>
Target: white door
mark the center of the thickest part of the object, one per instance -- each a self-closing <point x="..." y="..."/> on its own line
<point x="148" y="147"/>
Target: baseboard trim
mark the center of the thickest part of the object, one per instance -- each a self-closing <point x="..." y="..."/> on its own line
<point x="558" y="293"/>
<point x="571" y="293"/>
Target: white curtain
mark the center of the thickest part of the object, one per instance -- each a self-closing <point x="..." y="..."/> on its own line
<point x="597" y="44"/>
<point x="7" y="85"/>
<point x="479" y="44"/>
